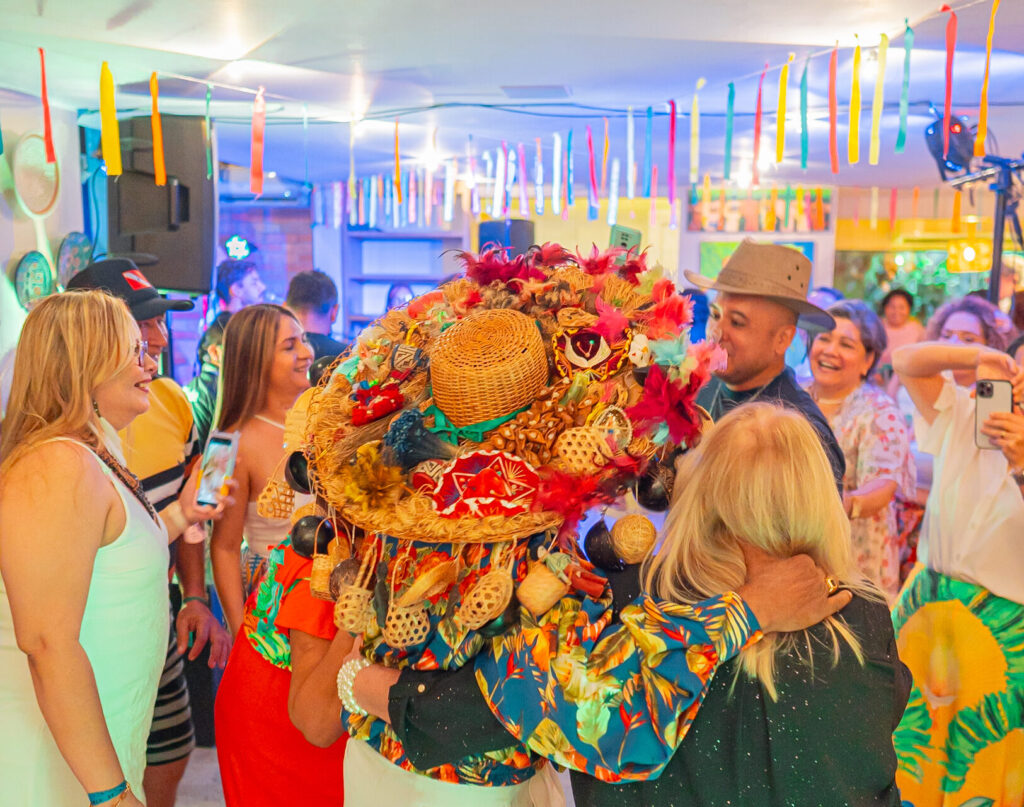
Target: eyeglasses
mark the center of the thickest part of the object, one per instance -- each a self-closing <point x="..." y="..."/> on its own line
<point x="141" y="351"/>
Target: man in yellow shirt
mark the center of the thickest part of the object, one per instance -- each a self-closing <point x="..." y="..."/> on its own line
<point x="160" y="447"/>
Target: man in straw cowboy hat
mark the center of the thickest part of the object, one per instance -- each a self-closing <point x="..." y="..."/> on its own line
<point x="761" y="300"/>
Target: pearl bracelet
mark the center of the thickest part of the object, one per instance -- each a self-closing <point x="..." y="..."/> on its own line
<point x="346" y="680"/>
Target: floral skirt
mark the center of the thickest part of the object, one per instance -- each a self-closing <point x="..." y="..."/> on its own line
<point x="961" y="740"/>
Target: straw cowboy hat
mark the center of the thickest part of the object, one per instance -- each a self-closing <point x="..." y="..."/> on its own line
<point x="779" y="273"/>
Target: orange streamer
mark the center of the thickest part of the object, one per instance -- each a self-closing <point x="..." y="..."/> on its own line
<point x="159" y="168"/>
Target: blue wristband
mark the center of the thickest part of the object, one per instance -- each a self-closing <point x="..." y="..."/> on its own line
<point x="106" y="795"/>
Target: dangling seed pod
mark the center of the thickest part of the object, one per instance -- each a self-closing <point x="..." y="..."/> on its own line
<point x="296" y="472"/>
<point x="654" y="489"/>
<point x="311" y="535"/>
<point x="600" y="548"/>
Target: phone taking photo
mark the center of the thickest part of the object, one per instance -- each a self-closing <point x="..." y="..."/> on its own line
<point x="990" y="395"/>
<point x="218" y="466"/>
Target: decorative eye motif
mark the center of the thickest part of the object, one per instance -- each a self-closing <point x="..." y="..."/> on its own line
<point x="584" y="349"/>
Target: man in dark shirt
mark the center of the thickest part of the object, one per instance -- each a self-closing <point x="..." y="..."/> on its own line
<point x="760" y="303"/>
<point x="313" y="298"/>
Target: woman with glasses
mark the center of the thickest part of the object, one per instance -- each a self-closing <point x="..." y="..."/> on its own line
<point x="83" y="558"/>
<point x="263" y="758"/>
<point x="960" y="616"/>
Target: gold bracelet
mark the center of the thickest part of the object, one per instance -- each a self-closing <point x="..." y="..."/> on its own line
<point x="123" y="795"/>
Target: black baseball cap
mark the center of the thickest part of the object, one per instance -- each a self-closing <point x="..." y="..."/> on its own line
<point x="122" y="278"/>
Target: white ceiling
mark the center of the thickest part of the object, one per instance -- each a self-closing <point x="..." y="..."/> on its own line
<point x="379" y="56"/>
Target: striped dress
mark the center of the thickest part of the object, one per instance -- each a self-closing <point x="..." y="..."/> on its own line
<point x="158" y="446"/>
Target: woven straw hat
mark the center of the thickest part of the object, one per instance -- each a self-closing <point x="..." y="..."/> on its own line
<point x="781" y="274"/>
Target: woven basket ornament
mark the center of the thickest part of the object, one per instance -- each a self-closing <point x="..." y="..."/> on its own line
<point x="487" y="365"/>
<point x="633" y="536"/>
<point x="582" y="450"/>
<point x="275" y="500"/>
<point x="487" y="599"/>
<point x="540" y="589"/>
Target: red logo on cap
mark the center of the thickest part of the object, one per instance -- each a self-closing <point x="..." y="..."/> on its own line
<point x="135" y="279"/>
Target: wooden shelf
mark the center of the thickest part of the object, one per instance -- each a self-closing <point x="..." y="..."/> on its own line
<point x="405" y="235"/>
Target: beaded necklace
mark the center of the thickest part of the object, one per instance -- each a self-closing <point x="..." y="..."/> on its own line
<point x="128" y="479"/>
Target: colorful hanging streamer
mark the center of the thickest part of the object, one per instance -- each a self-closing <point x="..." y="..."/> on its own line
<point x="648" y="148"/>
<point x="915" y="199"/>
<point x="398" y="168"/>
<point x="556" y="173"/>
<point x="670" y="174"/>
<point x="450" y="170"/>
<point x="729" y="106"/>
<point x="770" y="220"/>
<point x="51" y="154"/>
<point x="947" y="116"/>
<point x="411" y="200"/>
<point x="955" y="222"/>
<point x="979" y="140"/>
<point x="524" y="200"/>
<point x="592" y="188"/>
<point x="695" y="133"/>
<point x="570" y="173"/>
<point x="498" y="197"/>
<point x="538" y="180"/>
<point x="565" y="184"/>
<point x="819" y="209"/>
<point x="110" y="136"/>
<point x="259" y="120"/>
<point x="630" y="155"/>
<point x="613" y="194"/>
<point x="604" y="159"/>
<point x="1" y="140"/>
<point x="474" y="191"/>
<point x="833" y="111"/>
<point x="705" y="198"/>
<point x="892" y="211"/>
<point x="208" y="132"/>
<point x="780" y="110"/>
<point x="853" y="143"/>
<point x="908" y="46"/>
<point x="653" y="220"/>
<point x="855" y="192"/>
<point x="159" y="166"/>
<point x="789" y="196"/>
<point x="878" y="102"/>
<point x="799" y="203"/>
<point x="873" y="210"/>
<point x="375" y="184"/>
<point x="757" y="127"/>
<point x="804" y="133"/>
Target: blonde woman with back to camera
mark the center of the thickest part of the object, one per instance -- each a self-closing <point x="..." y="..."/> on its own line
<point x="801" y="715"/>
<point x="83" y="555"/>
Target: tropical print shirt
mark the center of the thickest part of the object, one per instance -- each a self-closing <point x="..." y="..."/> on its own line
<point x="448" y="645"/>
<point x="612" y="698"/>
<point x="258" y="623"/>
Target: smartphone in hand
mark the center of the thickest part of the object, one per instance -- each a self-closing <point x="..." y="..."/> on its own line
<point x="990" y="395"/>
<point x="218" y="466"/>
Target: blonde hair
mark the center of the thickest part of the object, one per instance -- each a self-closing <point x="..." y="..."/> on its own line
<point x="250" y="341"/>
<point x="70" y="344"/>
<point x="760" y="476"/>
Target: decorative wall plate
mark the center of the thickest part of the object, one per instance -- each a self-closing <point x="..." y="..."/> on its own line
<point x="33" y="279"/>
<point x="74" y="255"/>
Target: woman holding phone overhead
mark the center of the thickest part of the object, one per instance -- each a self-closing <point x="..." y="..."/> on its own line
<point x="960" y="615"/>
<point x="83" y="555"/>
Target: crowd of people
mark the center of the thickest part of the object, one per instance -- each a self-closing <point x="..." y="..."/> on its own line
<point x="845" y="449"/>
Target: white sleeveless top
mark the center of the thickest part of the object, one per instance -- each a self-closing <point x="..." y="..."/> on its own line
<point x="124" y="634"/>
<point x="261" y="534"/>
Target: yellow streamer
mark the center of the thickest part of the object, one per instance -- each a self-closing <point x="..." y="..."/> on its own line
<point x="876" y="106"/>
<point x="110" y="135"/>
<point x="874" y="207"/>
<point x="955" y="222"/>
<point x="769" y="219"/>
<point x="799" y="207"/>
<point x="979" y="140"/>
<point x="705" y="201"/>
<point x="780" y="113"/>
<point x="695" y="133"/>
<point x="853" y="150"/>
<point x="159" y="167"/>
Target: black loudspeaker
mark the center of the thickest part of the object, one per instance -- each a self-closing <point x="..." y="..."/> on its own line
<point x="514" y="233"/>
<point x="170" y="231"/>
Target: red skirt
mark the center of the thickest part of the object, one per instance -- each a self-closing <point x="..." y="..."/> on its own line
<point x="264" y="760"/>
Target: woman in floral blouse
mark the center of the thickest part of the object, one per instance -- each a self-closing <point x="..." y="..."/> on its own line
<point x="870" y="430"/>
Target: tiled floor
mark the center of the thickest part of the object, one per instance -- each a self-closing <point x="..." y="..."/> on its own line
<point x="201" y="785"/>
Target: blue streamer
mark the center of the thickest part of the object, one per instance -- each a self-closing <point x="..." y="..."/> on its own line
<point x="569" y="190"/>
<point x="648" y="145"/>
<point x="908" y="45"/>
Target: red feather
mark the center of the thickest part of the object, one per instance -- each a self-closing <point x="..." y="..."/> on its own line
<point x="549" y="254"/>
<point x="494" y="264"/>
<point x="669" y="402"/>
<point x="670" y="312"/>
<point x="600" y="263"/>
<point x="635" y="265"/>
<point x="611" y="323"/>
<point x="568" y="495"/>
